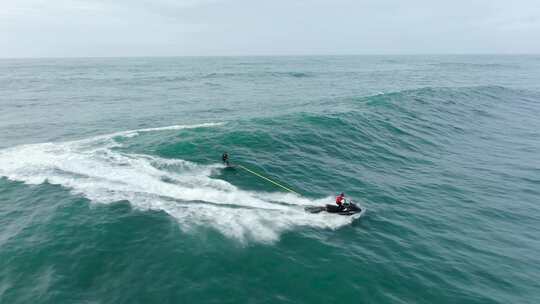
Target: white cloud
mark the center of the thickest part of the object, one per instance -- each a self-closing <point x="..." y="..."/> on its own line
<point x="213" y="27"/>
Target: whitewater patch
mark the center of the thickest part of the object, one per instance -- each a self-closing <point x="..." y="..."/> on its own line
<point x="187" y="191"/>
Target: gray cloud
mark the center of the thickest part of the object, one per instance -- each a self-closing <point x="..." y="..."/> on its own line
<point x="39" y="28"/>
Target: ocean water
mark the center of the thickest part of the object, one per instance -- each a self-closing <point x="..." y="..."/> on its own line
<point x="112" y="190"/>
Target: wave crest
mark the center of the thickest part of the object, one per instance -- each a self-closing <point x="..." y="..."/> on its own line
<point x="95" y="169"/>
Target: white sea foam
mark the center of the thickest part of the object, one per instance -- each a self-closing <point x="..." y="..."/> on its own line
<point x="185" y="190"/>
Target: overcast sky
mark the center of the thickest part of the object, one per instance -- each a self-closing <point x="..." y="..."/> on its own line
<point x="51" y="28"/>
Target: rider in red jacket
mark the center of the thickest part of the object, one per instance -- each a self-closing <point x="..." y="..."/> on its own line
<point x="340" y="199"/>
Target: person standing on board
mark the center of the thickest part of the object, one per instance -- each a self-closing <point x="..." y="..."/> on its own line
<point x="225" y="159"/>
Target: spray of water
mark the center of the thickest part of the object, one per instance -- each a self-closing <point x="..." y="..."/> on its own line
<point x="185" y="190"/>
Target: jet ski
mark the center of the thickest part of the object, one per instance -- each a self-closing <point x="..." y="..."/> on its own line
<point x="348" y="209"/>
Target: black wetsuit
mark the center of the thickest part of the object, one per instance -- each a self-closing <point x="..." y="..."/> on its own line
<point x="225" y="158"/>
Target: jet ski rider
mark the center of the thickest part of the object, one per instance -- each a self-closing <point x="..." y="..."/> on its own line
<point x="340" y="200"/>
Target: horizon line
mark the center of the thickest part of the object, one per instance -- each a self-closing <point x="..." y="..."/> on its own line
<point x="267" y="55"/>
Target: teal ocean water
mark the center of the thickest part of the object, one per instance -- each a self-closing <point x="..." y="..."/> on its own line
<point x="112" y="189"/>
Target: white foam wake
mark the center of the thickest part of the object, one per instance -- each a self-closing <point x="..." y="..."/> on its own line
<point x="185" y="190"/>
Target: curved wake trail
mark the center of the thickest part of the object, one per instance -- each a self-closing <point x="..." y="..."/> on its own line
<point x="185" y="190"/>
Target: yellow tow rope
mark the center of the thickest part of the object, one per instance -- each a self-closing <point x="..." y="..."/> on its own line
<point x="267" y="179"/>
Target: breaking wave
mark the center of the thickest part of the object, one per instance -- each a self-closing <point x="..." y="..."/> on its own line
<point x="96" y="169"/>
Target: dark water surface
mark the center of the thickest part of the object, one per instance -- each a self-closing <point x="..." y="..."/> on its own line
<point x="111" y="189"/>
